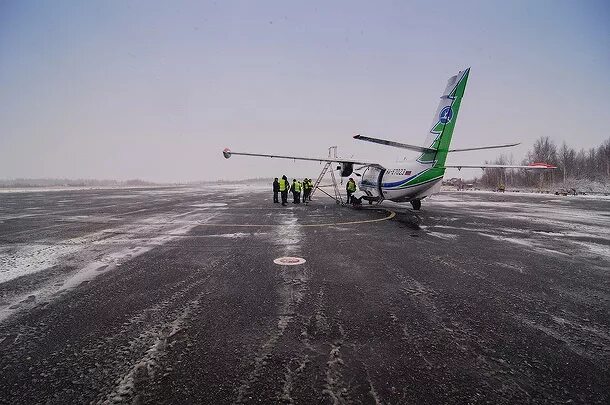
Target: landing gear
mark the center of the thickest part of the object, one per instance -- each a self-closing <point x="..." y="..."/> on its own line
<point x="416" y="204"/>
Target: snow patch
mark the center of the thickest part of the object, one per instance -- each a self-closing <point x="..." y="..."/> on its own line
<point x="236" y="235"/>
<point x="506" y="239"/>
<point x="94" y="254"/>
<point x="602" y="250"/>
<point x="289" y="235"/>
<point x="440" y="235"/>
<point x="16" y="262"/>
<point x="150" y="363"/>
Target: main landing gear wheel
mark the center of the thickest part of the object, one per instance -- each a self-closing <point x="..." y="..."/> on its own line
<point x="416" y="204"/>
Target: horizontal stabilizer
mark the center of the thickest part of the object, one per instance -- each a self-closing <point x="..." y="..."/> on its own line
<point x="484" y="147"/>
<point x="394" y="144"/>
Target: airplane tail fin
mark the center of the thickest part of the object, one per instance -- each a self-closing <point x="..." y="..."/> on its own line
<point x="439" y="137"/>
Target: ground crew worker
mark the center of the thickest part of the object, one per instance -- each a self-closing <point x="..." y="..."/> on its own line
<point x="306" y="189"/>
<point x="276" y="190"/>
<point x="310" y="188"/>
<point x="299" y="191"/>
<point x="284" y="187"/>
<point x="296" y="191"/>
<point x="350" y="187"/>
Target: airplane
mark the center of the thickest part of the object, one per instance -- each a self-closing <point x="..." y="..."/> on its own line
<point x="411" y="180"/>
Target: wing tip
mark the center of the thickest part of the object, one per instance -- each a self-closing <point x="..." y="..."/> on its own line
<point x="542" y="165"/>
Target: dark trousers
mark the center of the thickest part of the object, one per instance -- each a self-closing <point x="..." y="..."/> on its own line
<point x="275" y="197"/>
<point x="349" y="196"/>
<point x="284" y="197"/>
<point x="306" y="195"/>
<point x="296" y="197"/>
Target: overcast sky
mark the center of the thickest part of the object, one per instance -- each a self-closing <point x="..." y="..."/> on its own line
<point x="156" y="90"/>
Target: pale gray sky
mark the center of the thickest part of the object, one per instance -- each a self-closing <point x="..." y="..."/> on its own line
<point x="156" y="90"/>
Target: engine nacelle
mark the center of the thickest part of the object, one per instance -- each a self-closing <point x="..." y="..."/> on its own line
<point x="346" y="169"/>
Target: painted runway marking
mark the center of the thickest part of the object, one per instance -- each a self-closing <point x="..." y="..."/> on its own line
<point x="289" y="261"/>
<point x="391" y="214"/>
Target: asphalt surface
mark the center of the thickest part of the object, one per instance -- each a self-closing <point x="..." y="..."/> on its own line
<point x="171" y="295"/>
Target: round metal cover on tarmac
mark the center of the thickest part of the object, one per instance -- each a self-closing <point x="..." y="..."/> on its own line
<point x="289" y="261"/>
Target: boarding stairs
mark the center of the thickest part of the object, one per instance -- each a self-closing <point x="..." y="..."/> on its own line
<point x="332" y="153"/>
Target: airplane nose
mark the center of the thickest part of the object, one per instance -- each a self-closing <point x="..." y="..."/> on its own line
<point x="226" y="153"/>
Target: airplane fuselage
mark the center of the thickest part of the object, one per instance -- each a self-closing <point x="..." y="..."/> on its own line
<point x="400" y="181"/>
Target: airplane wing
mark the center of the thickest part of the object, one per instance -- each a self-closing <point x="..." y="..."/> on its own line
<point x="532" y="166"/>
<point x="227" y="153"/>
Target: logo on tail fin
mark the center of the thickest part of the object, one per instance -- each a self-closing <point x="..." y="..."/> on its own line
<point x="445" y="115"/>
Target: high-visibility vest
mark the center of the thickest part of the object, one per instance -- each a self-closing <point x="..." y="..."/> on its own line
<point x="283" y="185"/>
<point x="297" y="186"/>
<point x="351" y="186"/>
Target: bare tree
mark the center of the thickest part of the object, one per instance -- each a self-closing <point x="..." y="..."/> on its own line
<point x="544" y="151"/>
<point x="604" y="156"/>
<point x="565" y="159"/>
<point x="591" y="164"/>
<point x="580" y="164"/>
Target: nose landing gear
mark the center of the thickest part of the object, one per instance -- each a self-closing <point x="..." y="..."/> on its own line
<point x="416" y="204"/>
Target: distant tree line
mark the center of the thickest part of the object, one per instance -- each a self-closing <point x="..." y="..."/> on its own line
<point x="592" y="164"/>
<point x="44" y="182"/>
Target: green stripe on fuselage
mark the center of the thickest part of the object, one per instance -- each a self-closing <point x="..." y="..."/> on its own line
<point x="427" y="175"/>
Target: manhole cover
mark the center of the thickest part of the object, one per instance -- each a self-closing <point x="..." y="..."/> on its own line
<point x="289" y="261"/>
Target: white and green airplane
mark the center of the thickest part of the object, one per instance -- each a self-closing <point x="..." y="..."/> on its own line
<point x="411" y="180"/>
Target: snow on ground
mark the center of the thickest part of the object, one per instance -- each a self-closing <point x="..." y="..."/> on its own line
<point x="441" y="235"/>
<point x="548" y="227"/>
<point x="16" y="261"/>
<point x="235" y="235"/>
<point x="90" y="255"/>
<point x="527" y="193"/>
<point x="67" y="188"/>
<point x="290" y="235"/>
<point x="238" y="189"/>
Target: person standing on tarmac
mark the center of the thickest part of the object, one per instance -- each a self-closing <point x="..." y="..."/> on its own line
<point x="284" y="188"/>
<point x="306" y="189"/>
<point x="299" y="191"/>
<point x="310" y="188"/>
<point x="350" y="187"/>
<point x="296" y="191"/>
<point x="276" y="190"/>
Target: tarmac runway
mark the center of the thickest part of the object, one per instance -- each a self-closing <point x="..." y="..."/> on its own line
<point x="171" y="295"/>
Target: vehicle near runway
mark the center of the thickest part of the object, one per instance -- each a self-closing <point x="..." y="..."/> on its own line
<point x="411" y="180"/>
